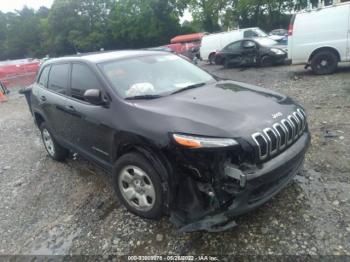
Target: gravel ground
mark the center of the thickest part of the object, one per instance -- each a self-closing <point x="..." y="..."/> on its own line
<point x="69" y="208"/>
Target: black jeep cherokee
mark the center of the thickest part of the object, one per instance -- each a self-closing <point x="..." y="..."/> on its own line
<point x="177" y="140"/>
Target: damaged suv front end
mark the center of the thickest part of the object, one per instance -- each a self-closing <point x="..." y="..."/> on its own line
<point x="220" y="178"/>
<point x="211" y="196"/>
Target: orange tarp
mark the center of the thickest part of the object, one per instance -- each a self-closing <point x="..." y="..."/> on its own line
<point x="187" y="38"/>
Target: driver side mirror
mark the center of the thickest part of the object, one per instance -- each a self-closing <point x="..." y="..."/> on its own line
<point x="95" y="97"/>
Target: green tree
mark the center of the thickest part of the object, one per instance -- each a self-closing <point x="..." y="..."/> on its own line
<point x="22" y="30"/>
<point x="267" y="14"/>
<point x="78" y="25"/>
<point x="3" y="35"/>
<point x="139" y="23"/>
<point x="207" y="13"/>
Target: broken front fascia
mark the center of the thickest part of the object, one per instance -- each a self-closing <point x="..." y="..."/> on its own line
<point x="208" y="199"/>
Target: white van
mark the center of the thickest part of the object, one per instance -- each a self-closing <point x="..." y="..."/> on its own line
<point x="320" y="38"/>
<point x="215" y="42"/>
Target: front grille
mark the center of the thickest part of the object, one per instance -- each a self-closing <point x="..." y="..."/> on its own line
<point x="282" y="134"/>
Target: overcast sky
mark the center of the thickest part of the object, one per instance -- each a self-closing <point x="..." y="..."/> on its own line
<point x="11" y="5"/>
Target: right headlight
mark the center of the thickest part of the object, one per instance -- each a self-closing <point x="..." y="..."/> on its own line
<point x="277" y="51"/>
<point x="203" y="142"/>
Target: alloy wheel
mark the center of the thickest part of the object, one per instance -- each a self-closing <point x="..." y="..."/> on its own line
<point x="48" y="142"/>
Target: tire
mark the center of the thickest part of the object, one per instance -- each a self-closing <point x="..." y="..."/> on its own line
<point x="324" y="62"/>
<point x="266" y="61"/>
<point x="218" y="60"/>
<point x="211" y="58"/>
<point x="54" y="150"/>
<point x="138" y="186"/>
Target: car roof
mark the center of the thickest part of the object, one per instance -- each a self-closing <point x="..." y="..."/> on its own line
<point x="100" y="57"/>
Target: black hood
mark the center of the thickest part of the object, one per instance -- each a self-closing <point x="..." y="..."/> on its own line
<point x="225" y="109"/>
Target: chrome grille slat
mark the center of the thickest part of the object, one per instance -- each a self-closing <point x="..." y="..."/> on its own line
<point x="285" y="122"/>
<point x="289" y="118"/>
<point x="301" y="121"/>
<point x="282" y="142"/>
<point x="302" y="113"/>
<point x="295" y="126"/>
<point x="298" y="122"/>
<point x="266" y="132"/>
<point x="283" y="133"/>
<point x="255" y="136"/>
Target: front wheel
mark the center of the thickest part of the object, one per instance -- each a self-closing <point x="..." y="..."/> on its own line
<point x="324" y="62"/>
<point x="138" y="186"/>
<point x="266" y="61"/>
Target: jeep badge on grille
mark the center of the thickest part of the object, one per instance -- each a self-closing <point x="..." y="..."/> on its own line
<point x="276" y="115"/>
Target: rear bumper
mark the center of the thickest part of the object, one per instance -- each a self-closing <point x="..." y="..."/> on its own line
<point x="261" y="185"/>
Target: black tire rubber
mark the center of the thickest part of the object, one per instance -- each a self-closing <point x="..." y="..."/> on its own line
<point x="332" y="62"/>
<point x="137" y="159"/>
<point x="266" y="61"/>
<point x="211" y="59"/>
<point x="61" y="153"/>
<point x="218" y="60"/>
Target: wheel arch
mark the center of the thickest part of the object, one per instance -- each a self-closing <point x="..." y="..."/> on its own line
<point x="157" y="158"/>
<point x="38" y="118"/>
<point x="211" y="53"/>
<point x="325" y="48"/>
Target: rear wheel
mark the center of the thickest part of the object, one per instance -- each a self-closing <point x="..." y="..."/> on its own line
<point x="55" y="151"/>
<point x="324" y="62"/>
<point x="138" y="185"/>
<point x="211" y="58"/>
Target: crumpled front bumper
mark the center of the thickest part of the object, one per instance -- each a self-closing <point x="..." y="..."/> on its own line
<point x="261" y="186"/>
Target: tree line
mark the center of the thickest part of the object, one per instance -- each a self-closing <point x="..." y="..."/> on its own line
<point x="72" y="26"/>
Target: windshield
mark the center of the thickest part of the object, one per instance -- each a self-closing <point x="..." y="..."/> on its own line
<point x="153" y="75"/>
<point x="265" y="41"/>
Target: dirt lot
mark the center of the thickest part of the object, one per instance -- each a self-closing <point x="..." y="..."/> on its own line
<point x="69" y="208"/>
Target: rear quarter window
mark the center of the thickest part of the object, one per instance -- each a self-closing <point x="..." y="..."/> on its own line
<point x="58" y="79"/>
<point x="44" y="76"/>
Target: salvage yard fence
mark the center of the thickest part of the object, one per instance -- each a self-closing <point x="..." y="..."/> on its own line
<point x="19" y="73"/>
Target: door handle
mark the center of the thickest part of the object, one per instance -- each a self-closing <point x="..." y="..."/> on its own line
<point x="43" y="98"/>
<point x="70" y="108"/>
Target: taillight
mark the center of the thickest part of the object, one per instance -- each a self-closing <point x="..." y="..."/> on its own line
<point x="291" y="25"/>
<point x="290" y="29"/>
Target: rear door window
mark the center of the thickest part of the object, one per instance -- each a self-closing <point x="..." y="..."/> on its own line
<point x="83" y="78"/>
<point x="234" y="46"/>
<point x="58" y="79"/>
<point x="44" y="77"/>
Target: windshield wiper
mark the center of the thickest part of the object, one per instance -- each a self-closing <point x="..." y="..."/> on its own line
<point x="188" y="87"/>
<point x="143" y="97"/>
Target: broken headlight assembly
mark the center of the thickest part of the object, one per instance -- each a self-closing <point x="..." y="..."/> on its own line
<point x="191" y="141"/>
